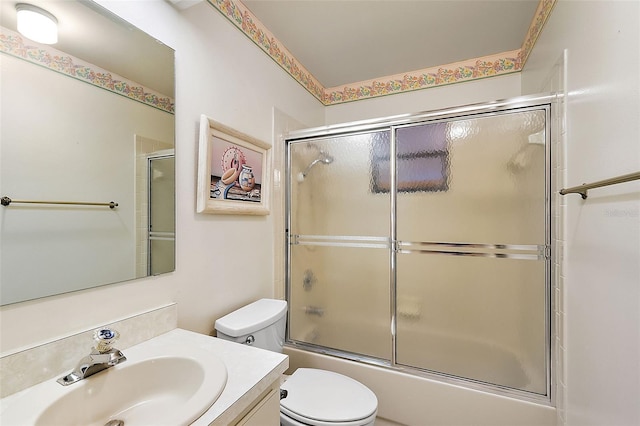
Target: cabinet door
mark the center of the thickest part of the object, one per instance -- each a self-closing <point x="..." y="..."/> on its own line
<point x="266" y="412"/>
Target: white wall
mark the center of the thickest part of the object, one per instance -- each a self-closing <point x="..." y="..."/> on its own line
<point x="222" y="74"/>
<point x="600" y="275"/>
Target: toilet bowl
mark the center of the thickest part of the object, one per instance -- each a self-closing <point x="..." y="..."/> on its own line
<point x="312" y="397"/>
<point x="319" y="397"/>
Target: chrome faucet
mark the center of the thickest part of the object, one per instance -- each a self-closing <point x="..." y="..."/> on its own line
<point x="102" y="356"/>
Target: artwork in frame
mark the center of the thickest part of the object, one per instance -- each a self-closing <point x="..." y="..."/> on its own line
<point x="233" y="171"/>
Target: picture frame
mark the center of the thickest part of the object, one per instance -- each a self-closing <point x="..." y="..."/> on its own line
<point x="233" y="171"/>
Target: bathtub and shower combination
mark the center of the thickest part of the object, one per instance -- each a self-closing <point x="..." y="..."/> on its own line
<point x="419" y="248"/>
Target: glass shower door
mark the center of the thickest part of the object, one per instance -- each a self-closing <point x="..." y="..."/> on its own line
<point x="339" y="248"/>
<point x="161" y="243"/>
<point x="471" y="243"/>
<point x="423" y="243"/>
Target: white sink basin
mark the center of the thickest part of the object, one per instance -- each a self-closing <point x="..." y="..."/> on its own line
<point x="157" y="385"/>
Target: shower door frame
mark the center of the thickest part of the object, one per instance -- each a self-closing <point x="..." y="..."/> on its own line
<point x="548" y="102"/>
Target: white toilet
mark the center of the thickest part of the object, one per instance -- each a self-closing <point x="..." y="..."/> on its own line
<point x="313" y="397"/>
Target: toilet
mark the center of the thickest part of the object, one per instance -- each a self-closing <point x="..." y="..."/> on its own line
<point x="313" y="397"/>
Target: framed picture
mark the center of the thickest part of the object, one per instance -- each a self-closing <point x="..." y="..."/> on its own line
<point x="233" y="171"/>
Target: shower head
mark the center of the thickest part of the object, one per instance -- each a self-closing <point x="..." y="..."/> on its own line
<point x="323" y="158"/>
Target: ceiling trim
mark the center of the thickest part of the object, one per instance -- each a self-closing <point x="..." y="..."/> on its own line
<point x="12" y="44"/>
<point x="469" y="70"/>
<point x="539" y="19"/>
<point x="473" y="69"/>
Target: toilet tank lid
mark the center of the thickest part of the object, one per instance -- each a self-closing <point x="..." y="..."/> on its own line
<point x="251" y="318"/>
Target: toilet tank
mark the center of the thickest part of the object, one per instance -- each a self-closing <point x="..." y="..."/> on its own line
<point x="260" y="324"/>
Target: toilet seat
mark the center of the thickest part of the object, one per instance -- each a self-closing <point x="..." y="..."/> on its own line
<point x="320" y="398"/>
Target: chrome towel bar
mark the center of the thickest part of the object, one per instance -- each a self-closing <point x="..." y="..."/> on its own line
<point x="582" y="189"/>
<point x="6" y="201"/>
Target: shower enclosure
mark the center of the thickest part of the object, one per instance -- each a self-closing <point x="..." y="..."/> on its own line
<point x="422" y="243"/>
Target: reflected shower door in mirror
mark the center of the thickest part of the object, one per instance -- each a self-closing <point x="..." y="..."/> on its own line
<point x="80" y="119"/>
<point x="425" y="247"/>
<point x="162" y="218"/>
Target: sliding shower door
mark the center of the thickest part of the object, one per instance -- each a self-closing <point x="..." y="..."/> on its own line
<point x="471" y="232"/>
<point x="423" y="244"/>
<point x="339" y="253"/>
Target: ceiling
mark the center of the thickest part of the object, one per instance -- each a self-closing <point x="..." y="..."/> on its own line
<point x="348" y="41"/>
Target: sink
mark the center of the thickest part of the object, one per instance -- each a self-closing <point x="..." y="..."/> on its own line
<point x="157" y="385"/>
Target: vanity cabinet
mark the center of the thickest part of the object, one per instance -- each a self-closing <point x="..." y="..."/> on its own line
<point x="265" y="412"/>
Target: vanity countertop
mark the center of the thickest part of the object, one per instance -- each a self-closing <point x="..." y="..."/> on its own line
<point x="250" y="373"/>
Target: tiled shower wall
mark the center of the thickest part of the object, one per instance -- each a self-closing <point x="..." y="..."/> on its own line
<point x="557" y="84"/>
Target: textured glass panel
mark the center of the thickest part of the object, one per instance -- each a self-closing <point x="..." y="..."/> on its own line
<point x="161" y="189"/>
<point x="162" y="256"/>
<point x="422" y="158"/>
<point x="478" y="318"/>
<point x="331" y="186"/>
<point x="477" y="180"/>
<point x="161" y="215"/>
<point x="340" y="298"/>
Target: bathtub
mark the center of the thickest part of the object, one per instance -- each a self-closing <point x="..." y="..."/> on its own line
<point x="407" y="399"/>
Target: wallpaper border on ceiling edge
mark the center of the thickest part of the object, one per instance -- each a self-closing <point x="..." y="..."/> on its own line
<point x="535" y="28"/>
<point x="469" y="70"/>
<point x="472" y="69"/>
<point x="12" y="44"/>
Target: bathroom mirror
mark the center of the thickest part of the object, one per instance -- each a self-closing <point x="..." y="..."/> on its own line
<point x="89" y="119"/>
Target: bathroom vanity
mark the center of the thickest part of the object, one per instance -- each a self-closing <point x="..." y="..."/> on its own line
<point x="170" y="379"/>
<point x="251" y="396"/>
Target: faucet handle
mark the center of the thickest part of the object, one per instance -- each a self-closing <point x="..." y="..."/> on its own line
<point x="104" y="338"/>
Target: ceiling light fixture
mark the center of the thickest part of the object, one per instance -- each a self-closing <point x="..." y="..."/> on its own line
<point x="37" y="24"/>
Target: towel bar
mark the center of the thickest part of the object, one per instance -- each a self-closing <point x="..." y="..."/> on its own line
<point x="6" y="201"/>
<point x="582" y="189"/>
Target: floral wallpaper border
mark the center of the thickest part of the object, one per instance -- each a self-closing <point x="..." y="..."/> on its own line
<point x="488" y="66"/>
<point x="472" y="69"/>
<point x="535" y="28"/>
<point x="13" y="44"/>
